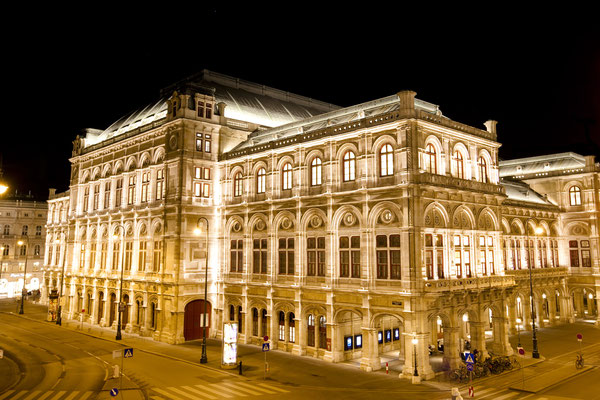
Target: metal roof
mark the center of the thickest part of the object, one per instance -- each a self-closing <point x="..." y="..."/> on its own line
<point x="541" y="165"/>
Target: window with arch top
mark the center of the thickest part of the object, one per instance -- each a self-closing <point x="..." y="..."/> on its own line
<point x="430" y="159"/>
<point x="349" y="166"/>
<point x="261" y="181"/>
<point x="575" y="195"/>
<point x="286" y="176"/>
<point x="237" y="184"/>
<point x="483" y="170"/>
<point x="386" y="160"/>
<point x="315" y="171"/>
<point x="458" y="165"/>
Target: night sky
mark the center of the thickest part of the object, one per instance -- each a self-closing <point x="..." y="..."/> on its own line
<point x="70" y="69"/>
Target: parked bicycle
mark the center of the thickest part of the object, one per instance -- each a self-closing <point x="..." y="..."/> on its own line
<point x="579" y="361"/>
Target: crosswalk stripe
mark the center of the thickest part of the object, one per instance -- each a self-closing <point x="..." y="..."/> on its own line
<point x="86" y="395"/>
<point x="244" y="384"/>
<point x="21" y="393"/>
<point x="33" y="394"/>
<point x="6" y="394"/>
<point x="48" y="393"/>
<point x="156" y="398"/>
<point x="216" y="385"/>
<point x="72" y="395"/>
<point x="165" y="393"/>
<point x="273" y="387"/>
<point x="191" y="389"/>
<point x="59" y="395"/>
<point x="193" y="397"/>
<point x="243" y="389"/>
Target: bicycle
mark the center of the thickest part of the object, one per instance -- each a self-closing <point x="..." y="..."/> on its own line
<point x="579" y="361"/>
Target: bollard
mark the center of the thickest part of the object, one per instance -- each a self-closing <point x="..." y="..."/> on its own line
<point x="456" y="394"/>
<point x="115" y="371"/>
<point x="240" y="368"/>
<point x="387" y="369"/>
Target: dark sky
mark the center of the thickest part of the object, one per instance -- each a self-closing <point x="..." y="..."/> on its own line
<point x="70" y="69"/>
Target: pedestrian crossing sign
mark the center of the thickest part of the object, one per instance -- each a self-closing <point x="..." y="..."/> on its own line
<point x="128" y="353"/>
<point x="265" y="346"/>
<point x="469" y="358"/>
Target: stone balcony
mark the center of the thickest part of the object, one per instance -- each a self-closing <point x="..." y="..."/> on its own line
<point x="474" y="283"/>
<point x="559" y="272"/>
<point x="463" y="184"/>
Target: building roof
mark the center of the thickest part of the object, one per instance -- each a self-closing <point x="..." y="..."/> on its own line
<point x="245" y="101"/>
<point x="521" y="192"/>
<point x="542" y="165"/>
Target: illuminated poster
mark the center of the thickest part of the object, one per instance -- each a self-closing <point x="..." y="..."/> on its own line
<point x="230" y="333"/>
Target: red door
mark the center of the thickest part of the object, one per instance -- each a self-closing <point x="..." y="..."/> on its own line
<point x="192" y="322"/>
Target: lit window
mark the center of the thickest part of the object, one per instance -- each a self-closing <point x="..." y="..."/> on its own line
<point x="160" y="180"/>
<point x="430" y="159"/>
<point x="349" y="166"/>
<point x="575" y="196"/>
<point x="237" y="184"/>
<point x="287" y="176"/>
<point x="386" y="160"/>
<point x="458" y="165"/>
<point x="434" y="255"/>
<point x="315" y="171"/>
<point x="261" y="180"/>
<point x="483" y="172"/>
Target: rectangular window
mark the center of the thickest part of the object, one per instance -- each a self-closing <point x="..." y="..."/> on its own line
<point x="315" y="249"/>
<point x="38" y="230"/>
<point x="350" y="256"/>
<point x="86" y="197"/>
<point x="128" y="255"/>
<point x="93" y="256"/>
<point x="116" y="255"/>
<point x="440" y="263"/>
<point x="236" y="254"/>
<point x="586" y="260"/>
<point x="131" y="190"/>
<point x="160" y="180"/>
<point x="119" y="192"/>
<point x="157" y="256"/>
<point x="207" y="143"/>
<point x="106" y="195"/>
<point x="103" y="250"/>
<point x="96" y="196"/>
<point x="142" y="256"/>
<point x="259" y="259"/>
<point x="199" y="142"/>
<point x="81" y="256"/>
<point x="145" y="185"/>
<point x="429" y="263"/>
<point x="388" y="256"/>
<point x="286" y="256"/>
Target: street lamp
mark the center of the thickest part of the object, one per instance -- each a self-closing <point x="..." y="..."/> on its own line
<point x="198" y="232"/>
<point x="537" y="231"/>
<point x="22" y="244"/>
<point x="120" y="311"/>
<point x="62" y="280"/>
<point x="414" y="342"/>
<point x="518" y="332"/>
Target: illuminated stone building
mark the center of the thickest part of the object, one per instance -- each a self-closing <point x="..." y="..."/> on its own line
<point x="341" y="233"/>
<point x="22" y="220"/>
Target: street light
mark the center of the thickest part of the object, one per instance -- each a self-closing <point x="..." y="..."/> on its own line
<point x="119" y="311"/>
<point x="518" y="332"/>
<point x="537" y="231"/>
<point x="21" y="243"/>
<point x="198" y="232"/>
<point x="414" y="342"/>
<point x="62" y="280"/>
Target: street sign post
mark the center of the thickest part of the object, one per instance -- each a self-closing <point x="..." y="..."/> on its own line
<point x="128" y="353"/>
<point x="579" y="337"/>
<point x="265" y="349"/>
<point x="114" y="392"/>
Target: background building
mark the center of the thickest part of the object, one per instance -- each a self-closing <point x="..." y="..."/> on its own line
<point x="340" y="233"/>
<point x="22" y="220"/>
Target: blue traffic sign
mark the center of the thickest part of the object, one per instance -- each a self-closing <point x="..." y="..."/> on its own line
<point x="114" y="392"/>
<point x="469" y="359"/>
<point x="265" y="347"/>
<point x="128" y="353"/>
<point x="469" y="367"/>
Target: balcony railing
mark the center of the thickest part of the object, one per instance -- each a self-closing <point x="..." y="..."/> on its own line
<point x="475" y="283"/>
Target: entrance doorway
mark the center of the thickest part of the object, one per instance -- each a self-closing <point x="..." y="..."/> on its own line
<point x="192" y="322"/>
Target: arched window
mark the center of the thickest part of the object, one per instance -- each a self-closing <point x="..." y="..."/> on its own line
<point x="575" y="196"/>
<point x="261" y="180"/>
<point x="287" y="176"/>
<point x="458" y="165"/>
<point x="349" y="167"/>
<point x="483" y="173"/>
<point x="37" y="250"/>
<point x="310" y="337"/>
<point x="237" y="184"/>
<point x="315" y="171"/>
<point x="291" y="327"/>
<point x="281" y="326"/>
<point x="322" y="332"/>
<point x="386" y="160"/>
<point x="430" y="159"/>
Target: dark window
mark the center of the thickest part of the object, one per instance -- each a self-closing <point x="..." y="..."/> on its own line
<point x="236" y="259"/>
<point x="315" y="248"/>
<point x="259" y="260"/>
<point x="350" y="256"/>
<point x="286" y="256"/>
<point x="388" y="256"/>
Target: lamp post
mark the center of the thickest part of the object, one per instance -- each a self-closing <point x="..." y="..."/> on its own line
<point x="518" y="332"/>
<point x="198" y="232"/>
<point x="535" y="353"/>
<point x="62" y="281"/>
<point x="21" y="243"/>
<point x="119" y="311"/>
<point x="414" y="342"/>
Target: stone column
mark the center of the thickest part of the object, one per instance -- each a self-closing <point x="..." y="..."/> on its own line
<point x="597" y="323"/>
<point x="451" y="347"/>
<point x="501" y="345"/>
<point x="424" y="370"/>
<point x="247" y="316"/>
<point x="526" y="304"/>
<point x="539" y="312"/>
<point x="370" y="360"/>
<point x="300" y="345"/>
<point x="337" y="343"/>
<point x="552" y="309"/>
<point x="478" y="338"/>
<point x="512" y="318"/>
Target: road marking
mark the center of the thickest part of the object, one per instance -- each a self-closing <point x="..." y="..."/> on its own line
<point x="48" y="393"/>
<point x="5" y="395"/>
<point x="59" y="395"/>
<point x="231" y="384"/>
<point x="86" y="395"/>
<point x="72" y="395"/>
<point x="33" y="394"/>
<point x="507" y="396"/>
<point x="193" y="397"/>
<point x="273" y="387"/>
<point x="165" y="393"/>
<point x="21" y="393"/>
<point x="244" y="384"/>
<point x="227" y="390"/>
<point x="191" y="389"/>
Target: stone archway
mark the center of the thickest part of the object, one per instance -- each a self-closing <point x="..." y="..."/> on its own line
<point x="348" y="343"/>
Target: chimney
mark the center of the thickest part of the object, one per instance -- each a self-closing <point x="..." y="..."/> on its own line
<point x="52" y="193"/>
<point x="490" y="126"/>
<point x="407" y="99"/>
